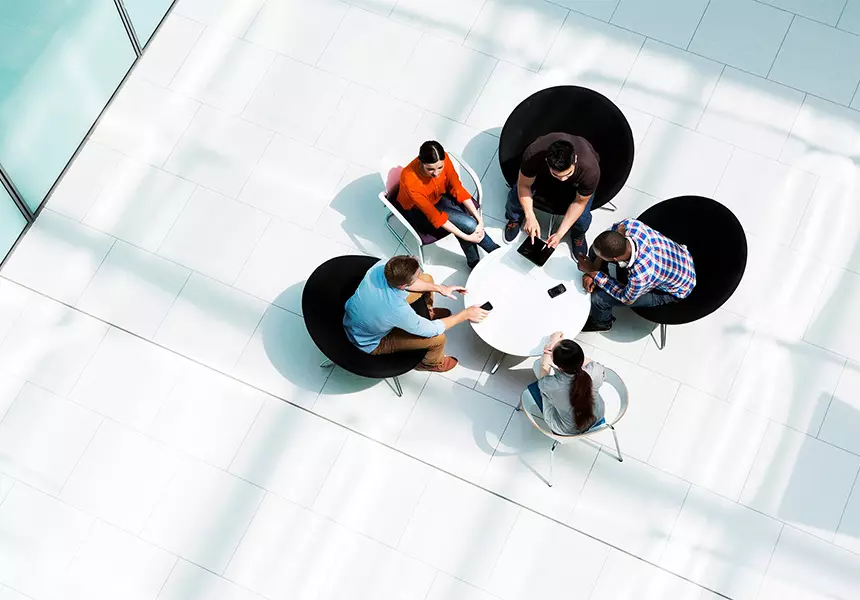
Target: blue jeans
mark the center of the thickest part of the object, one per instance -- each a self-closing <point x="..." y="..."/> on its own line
<point x="514" y="212"/>
<point x="535" y="392"/>
<point x="602" y="303"/>
<point x="466" y="223"/>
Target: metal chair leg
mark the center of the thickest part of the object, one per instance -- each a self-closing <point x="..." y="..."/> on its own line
<point x="391" y="229"/>
<point x="617" y="447"/>
<point x="551" y="225"/>
<point x="610" y="206"/>
<point x="326" y="364"/>
<point x="498" y="362"/>
<point x="397" y="389"/>
<point x="551" y="462"/>
<point x="421" y="255"/>
<point x="662" y="343"/>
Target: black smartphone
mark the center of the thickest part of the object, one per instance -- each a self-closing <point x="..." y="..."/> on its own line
<point x="487" y="306"/>
<point x="556" y="291"/>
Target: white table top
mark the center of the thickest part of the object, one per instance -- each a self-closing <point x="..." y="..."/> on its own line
<point x="523" y="315"/>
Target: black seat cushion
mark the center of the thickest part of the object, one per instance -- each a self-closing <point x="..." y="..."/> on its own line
<point x="578" y="111"/>
<point x="323" y="300"/>
<point x="718" y="245"/>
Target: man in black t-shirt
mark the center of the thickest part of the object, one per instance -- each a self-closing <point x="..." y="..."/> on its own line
<point x="563" y="170"/>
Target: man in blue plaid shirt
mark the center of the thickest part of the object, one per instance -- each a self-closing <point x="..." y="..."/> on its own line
<point x="659" y="271"/>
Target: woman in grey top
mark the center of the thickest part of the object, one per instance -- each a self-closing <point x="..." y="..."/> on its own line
<point x="567" y="386"/>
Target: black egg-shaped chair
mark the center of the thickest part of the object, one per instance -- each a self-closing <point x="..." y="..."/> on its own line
<point x="578" y="111"/>
<point x="323" y="299"/>
<point x="718" y="245"/>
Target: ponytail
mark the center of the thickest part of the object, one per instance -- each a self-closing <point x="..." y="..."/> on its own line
<point x="569" y="358"/>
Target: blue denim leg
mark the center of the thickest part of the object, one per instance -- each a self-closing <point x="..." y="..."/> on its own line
<point x="583" y="222"/>
<point x="602" y="303"/>
<point x="466" y="223"/>
<point x="534" y="389"/>
<point x="513" y="208"/>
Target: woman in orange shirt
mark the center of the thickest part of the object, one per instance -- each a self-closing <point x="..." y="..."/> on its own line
<point x="435" y="200"/>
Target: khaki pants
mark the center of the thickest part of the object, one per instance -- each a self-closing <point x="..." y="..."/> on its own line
<point x="399" y="340"/>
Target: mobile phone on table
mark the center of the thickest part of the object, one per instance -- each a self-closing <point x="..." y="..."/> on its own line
<point x="556" y="291"/>
<point x="487" y="306"/>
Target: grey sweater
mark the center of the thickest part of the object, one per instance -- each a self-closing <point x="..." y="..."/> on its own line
<point x="555" y="391"/>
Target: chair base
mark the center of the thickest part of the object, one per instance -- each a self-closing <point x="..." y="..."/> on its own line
<point x="662" y="341"/>
<point x="399" y="238"/>
<point x="327" y="364"/>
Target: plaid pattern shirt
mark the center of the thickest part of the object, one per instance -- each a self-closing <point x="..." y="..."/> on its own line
<point x="660" y="264"/>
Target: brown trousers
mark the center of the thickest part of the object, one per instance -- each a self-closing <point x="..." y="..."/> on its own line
<point x="399" y="340"/>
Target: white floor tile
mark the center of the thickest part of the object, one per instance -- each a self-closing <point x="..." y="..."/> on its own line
<point x="447" y="19"/>
<point x="674" y="161"/>
<point x="629" y="336"/>
<point x="604" y="54"/>
<point x="848" y="534"/>
<point x="639" y="121"/>
<point x="51" y="344"/>
<point x="824" y="140"/>
<point x="128" y="379"/>
<point x="537" y="558"/>
<point x="630" y="505"/>
<point x="281" y="359"/>
<point x="670" y="21"/>
<point x="651" y="397"/>
<point x="850" y="19"/>
<point x="230" y="16"/>
<point x="625" y="577"/>
<point x="369" y="406"/>
<point x="507" y="384"/>
<point x="369" y="126"/>
<point x="711" y="367"/>
<point x="133" y="289"/>
<point x="471" y="423"/>
<point x="369" y="50"/>
<point x="380" y="7"/>
<point x="139" y="204"/>
<point x="145" y="121"/>
<point x="210" y="322"/>
<point x="168" y="49"/>
<point x="757" y="32"/>
<point x="520" y="469"/>
<point x="810" y="60"/>
<point x="113" y="564"/>
<point x="295" y="100"/>
<point x="203" y="515"/>
<point x="214" y="235"/>
<point x="289" y="452"/>
<point x="834" y="320"/>
<point x="789" y="382"/>
<point x="825" y="11"/>
<point x="218" y="151"/>
<point x="40" y="537"/>
<point x="466" y="72"/>
<point x="10" y="594"/>
<point x="751" y="112"/>
<point x="801" y="481"/>
<point x="84" y="180"/>
<point x="709" y="442"/>
<point x="207" y="415"/>
<point x="293" y="181"/>
<point x="808" y="568"/>
<point x="10" y="387"/>
<point x="721" y="545"/>
<point x="121" y="476"/>
<point x="58" y="257"/>
<point x="188" y="578"/>
<point x="13" y="299"/>
<point x="222" y="71"/>
<point x="520" y="34"/>
<point x="671" y="84"/>
<point x="372" y="489"/>
<point x="42" y="437"/>
<point x="297" y="29"/>
<point x="446" y="587"/>
<point x="843" y="414"/>
<point x="459" y="529"/>
<point x="475" y="147"/>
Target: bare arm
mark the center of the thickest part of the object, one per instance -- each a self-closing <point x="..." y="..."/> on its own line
<point x="574" y="211"/>
<point x="419" y="286"/>
<point x="524" y="193"/>
<point x="475" y="314"/>
<point x="546" y="358"/>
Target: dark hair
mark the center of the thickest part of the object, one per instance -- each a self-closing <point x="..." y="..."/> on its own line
<point x="431" y="152"/>
<point x="610" y="244"/>
<point x="400" y="270"/>
<point x="559" y="157"/>
<point x="569" y="357"/>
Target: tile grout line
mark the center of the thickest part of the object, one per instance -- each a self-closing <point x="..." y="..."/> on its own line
<point x="845" y="509"/>
<point x="81" y="457"/>
<point x="699" y="24"/>
<point x="770" y="560"/>
<point x="830" y="401"/>
<point x="779" y="49"/>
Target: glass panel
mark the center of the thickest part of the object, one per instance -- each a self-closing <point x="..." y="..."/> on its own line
<point x="60" y="61"/>
<point x="12" y="222"/>
<point x="145" y="16"/>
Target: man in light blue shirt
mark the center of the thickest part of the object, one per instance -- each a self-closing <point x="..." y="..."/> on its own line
<point x="380" y="320"/>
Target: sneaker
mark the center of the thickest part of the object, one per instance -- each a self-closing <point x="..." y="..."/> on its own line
<point x="448" y="363"/>
<point x="578" y="246"/>
<point x="438" y="313"/>
<point x="512" y="230"/>
<point x="593" y="326"/>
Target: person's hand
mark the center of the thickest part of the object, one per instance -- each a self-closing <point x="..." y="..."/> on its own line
<point x="476" y="314"/>
<point x="555" y="338"/>
<point x="588" y="282"/>
<point x="480" y="226"/>
<point x="532" y="227"/>
<point x="554" y="240"/>
<point x="449" y="290"/>
<point x="622" y="229"/>
<point x="585" y="265"/>
<point x="475" y="237"/>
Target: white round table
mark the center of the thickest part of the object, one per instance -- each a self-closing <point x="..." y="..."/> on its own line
<point x="523" y="315"/>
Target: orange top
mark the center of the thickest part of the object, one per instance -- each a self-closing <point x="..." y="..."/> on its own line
<point x="418" y="189"/>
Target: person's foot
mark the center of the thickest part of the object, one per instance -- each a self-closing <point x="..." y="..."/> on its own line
<point x="472" y="265"/>
<point x="448" y="363"/>
<point x="438" y="313"/>
<point x="594" y="326"/>
<point x="512" y="230"/>
<point x="578" y="246"/>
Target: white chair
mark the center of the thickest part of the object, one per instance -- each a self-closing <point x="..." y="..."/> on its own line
<point x="390" y="170"/>
<point x="615" y="398"/>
